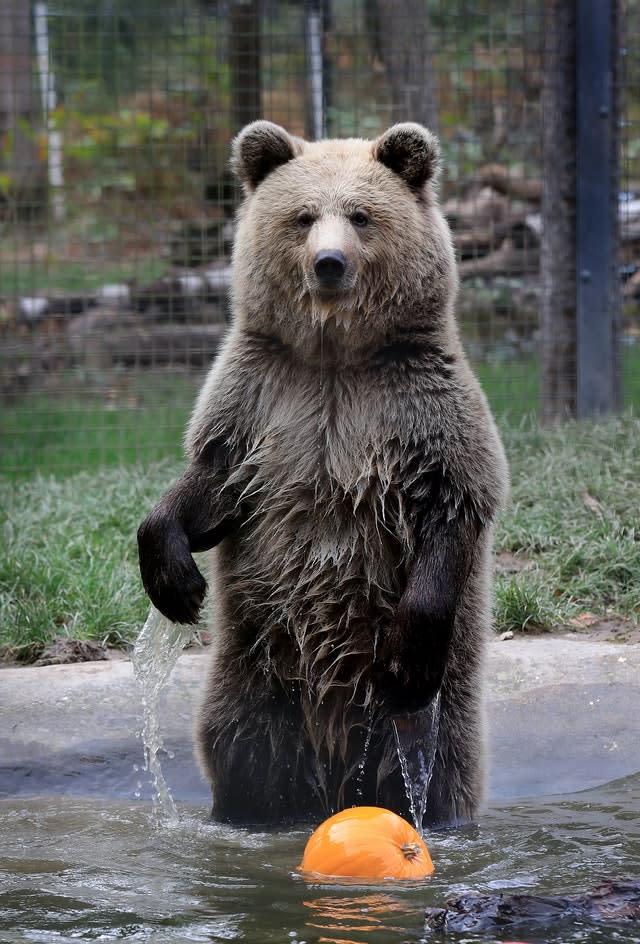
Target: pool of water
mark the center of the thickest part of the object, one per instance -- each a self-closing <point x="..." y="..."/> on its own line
<point x="94" y="870"/>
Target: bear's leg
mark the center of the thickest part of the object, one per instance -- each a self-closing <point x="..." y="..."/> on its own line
<point x="254" y="754"/>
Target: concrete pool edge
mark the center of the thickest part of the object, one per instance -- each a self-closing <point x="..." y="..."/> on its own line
<point x="563" y="715"/>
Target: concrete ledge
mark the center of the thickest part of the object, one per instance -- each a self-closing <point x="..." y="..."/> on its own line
<point x="564" y="715"/>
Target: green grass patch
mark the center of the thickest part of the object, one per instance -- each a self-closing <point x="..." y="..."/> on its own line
<point x="115" y="418"/>
<point x="34" y="277"/>
<point x="70" y="560"/>
<point x="573" y="518"/>
<point x="513" y="386"/>
<point x="141" y="419"/>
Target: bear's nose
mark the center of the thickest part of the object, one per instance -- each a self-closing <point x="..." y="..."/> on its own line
<point x="330" y="265"/>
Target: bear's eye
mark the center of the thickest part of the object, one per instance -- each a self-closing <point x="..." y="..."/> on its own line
<point x="305" y="219"/>
<point x="359" y="219"/>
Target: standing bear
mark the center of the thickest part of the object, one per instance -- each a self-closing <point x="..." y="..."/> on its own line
<point x="346" y="469"/>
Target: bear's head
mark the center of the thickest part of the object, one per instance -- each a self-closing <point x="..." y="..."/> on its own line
<point x="346" y="234"/>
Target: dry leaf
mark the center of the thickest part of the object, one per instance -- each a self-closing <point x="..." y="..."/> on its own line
<point x="583" y="620"/>
<point x="592" y="504"/>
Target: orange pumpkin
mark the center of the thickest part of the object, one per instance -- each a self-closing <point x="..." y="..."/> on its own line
<point x="367" y="842"/>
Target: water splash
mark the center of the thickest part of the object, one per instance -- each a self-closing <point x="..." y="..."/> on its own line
<point x="416" y="741"/>
<point x="154" y="655"/>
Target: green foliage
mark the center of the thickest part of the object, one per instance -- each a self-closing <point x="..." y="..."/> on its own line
<point x="115" y="420"/>
<point x="108" y="42"/>
<point x="572" y="521"/>
<point x="70" y="561"/>
<point x="125" y="151"/>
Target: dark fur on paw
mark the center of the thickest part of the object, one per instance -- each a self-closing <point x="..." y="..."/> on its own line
<point x="169" y="573"/>
<point x="405" y="692"/>
<point x="412" y="660"/>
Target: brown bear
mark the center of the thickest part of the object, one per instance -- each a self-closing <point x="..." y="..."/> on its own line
<point x="345" y="466"/>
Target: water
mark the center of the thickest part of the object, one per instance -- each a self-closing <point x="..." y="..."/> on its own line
<point x="73" y="869"/>
<point x="154" y="655"/>
<point x="416" y="740"/>
<point x="160" y="872"/>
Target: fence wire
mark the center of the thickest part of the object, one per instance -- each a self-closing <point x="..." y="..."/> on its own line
<point x="117" y="204"/>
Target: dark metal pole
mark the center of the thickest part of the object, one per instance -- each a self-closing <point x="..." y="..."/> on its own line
<point x="558" y="244"/>
<point x="315" y="28"/>
<point x="596" y="210"/>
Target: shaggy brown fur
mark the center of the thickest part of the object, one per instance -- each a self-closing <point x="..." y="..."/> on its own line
<point x="345" y="463"/>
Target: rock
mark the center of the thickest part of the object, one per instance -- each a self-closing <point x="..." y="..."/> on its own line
<point x="62" y="650"/>
<point x="616" y="902"/>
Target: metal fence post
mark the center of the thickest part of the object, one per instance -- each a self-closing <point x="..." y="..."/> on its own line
<point x="596" y="208"/>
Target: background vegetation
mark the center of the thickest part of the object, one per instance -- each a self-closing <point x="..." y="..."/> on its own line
<point x="148" y="97"/>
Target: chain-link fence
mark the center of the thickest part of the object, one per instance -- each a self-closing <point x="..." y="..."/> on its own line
<point x="116" y="203"/>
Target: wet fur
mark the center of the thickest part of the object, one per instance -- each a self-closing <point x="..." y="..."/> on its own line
<point x="346" y="468"/>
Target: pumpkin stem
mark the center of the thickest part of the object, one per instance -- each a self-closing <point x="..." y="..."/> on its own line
<point x="410" y="850"/>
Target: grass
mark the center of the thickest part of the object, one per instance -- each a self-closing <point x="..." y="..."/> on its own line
<point x="573" y="522"/>
<point x="32" y="277"/>
<point x="100" y="420"/>
<point x="138" y="418"/>
<point x="70" y="564"/>
<point x="513" y="385"/>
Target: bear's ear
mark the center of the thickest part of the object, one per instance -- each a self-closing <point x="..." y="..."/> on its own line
<point x="410" y="151"/>
<point x="259" y="149"/>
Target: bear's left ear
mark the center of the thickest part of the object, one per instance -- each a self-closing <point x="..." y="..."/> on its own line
<point x="410" y="151"/>
<point x="259" y="149"/>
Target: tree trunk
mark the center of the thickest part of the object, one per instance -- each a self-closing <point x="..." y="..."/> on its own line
<point x="403" y="42"/>
<point x="244" y="60"/>
<point x="25" y="189"/>
<point x="558" y="242"/>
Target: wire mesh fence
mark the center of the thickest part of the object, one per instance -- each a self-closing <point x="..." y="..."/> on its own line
<point x="117" y="204"/>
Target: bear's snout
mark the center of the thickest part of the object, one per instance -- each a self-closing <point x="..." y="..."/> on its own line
<point x="330" y="266"/>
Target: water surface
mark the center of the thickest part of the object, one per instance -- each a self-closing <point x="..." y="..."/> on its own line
<point x="89" y="870"/>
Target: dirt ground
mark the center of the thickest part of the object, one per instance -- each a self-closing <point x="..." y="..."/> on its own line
<point x="606" y="629"/>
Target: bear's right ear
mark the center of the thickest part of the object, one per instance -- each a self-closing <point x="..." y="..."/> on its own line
<point x="259" y="149"/>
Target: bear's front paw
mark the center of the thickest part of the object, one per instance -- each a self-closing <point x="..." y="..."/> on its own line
<point x="411" y="659"/>
<point x="404" y="691"/>
<point x="169" y="573"/>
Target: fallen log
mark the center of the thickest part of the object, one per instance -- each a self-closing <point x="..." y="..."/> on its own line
<point x="484" y="206"/>
<point x="507" y="260"/>
<point x="511" y="185"/>
<point x="159" y="345"/>
<point x="524" y="232"/>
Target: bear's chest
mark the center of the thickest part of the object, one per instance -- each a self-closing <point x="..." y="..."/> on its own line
<point x="324" y="501"/>
<point x="329" y="430"/>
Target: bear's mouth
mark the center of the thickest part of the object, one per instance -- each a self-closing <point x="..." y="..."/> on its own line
<point x="339" y="292"/>
<point x="328" y="294"/>
<point x="332" y="299"/>
<point x="339" y="308"/>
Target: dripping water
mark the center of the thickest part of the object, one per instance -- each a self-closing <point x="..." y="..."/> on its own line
<point x="363" y="761"/>
<point x="322" y="406"/>
<point x="416" y="739"/>
<point x="154" y="655"/>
